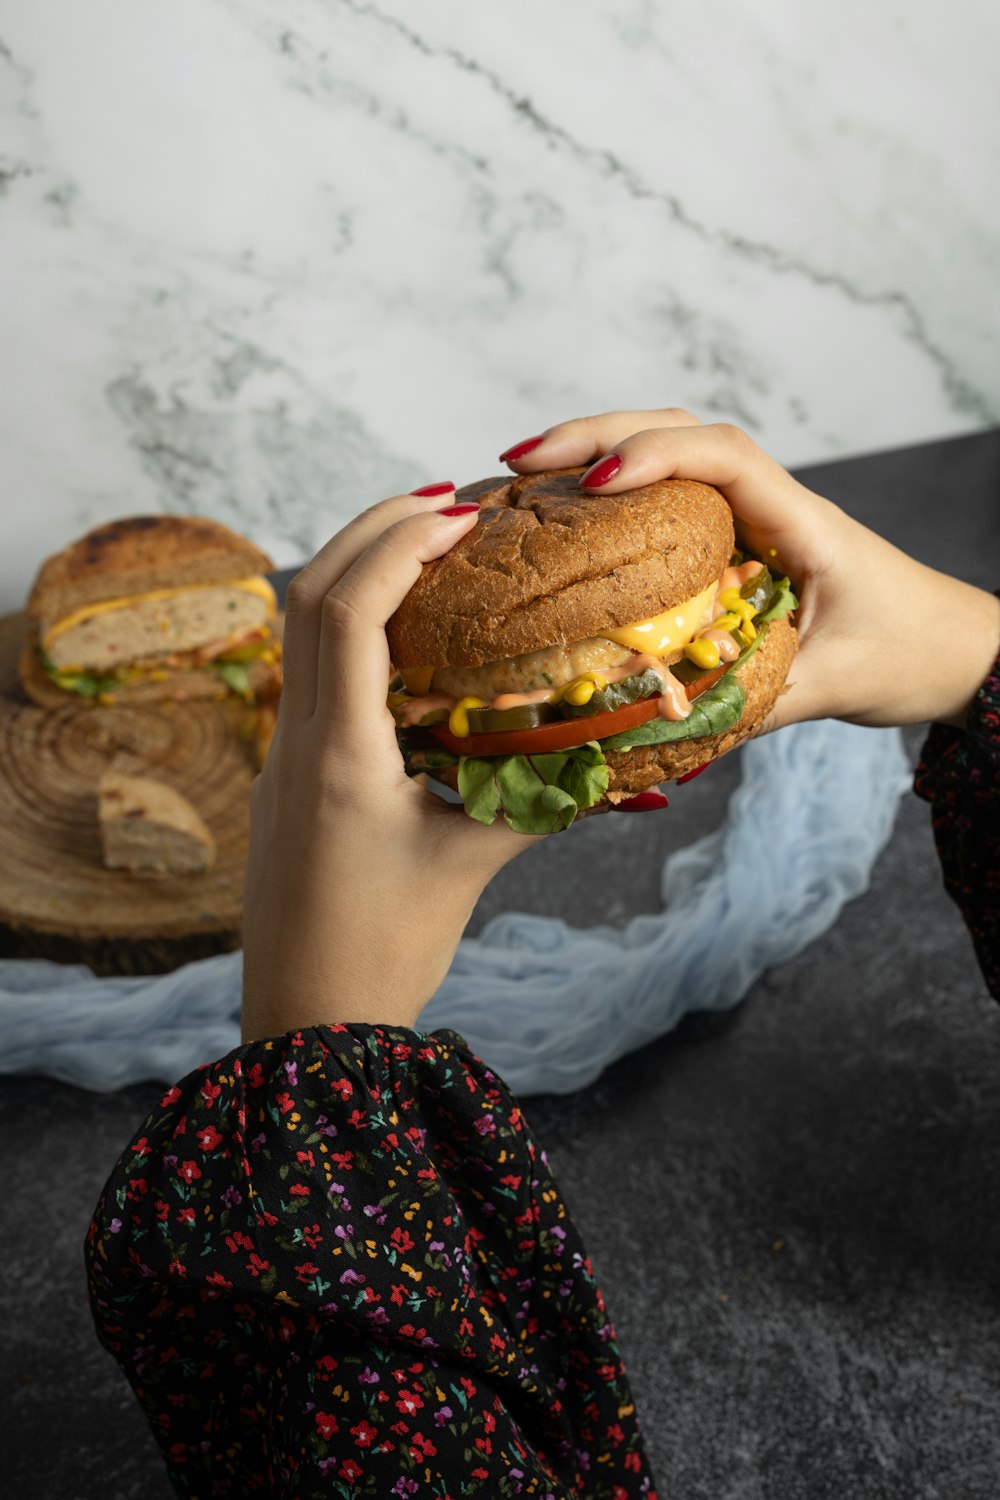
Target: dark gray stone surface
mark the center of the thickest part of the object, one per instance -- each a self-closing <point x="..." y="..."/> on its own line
<point x="795" y="1213"/>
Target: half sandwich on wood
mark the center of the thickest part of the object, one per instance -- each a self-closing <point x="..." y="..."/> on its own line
<point x="574" y="649"/>
<point x="153" y="608"/>
<point x="149" y="827"/>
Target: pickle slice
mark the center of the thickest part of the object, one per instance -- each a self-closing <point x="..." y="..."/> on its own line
<point x="757" y="590"/>
<point x="615" y="695"/>
<point x="496" y="720"/>
<point x="686" y="670"/>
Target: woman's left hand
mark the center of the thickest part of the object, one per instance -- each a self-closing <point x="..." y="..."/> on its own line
<point x="359" y="881"/>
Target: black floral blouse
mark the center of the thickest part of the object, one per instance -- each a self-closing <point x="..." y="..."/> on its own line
<point x="335" y="1263"/>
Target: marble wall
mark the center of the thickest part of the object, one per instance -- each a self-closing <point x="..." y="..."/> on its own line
<point x="270" y="261"/>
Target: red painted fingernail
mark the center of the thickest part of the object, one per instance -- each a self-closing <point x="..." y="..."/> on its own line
<point x="692" y="774"/>
<point x="435" y="489"/>
<point x="644" y="802"/>
<point x="458" y="510"/>
<point x="601" y="473"/>
<point x="520" y="449"/>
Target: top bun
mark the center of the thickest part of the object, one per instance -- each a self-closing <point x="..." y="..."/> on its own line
<point x="137" y="554"/>
<point x="547" y="564"/>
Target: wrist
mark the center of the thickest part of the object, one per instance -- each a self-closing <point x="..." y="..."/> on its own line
<point x="975" y="643"/>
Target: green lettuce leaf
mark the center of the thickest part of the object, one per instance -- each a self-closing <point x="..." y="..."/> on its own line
<point x="781" y="603"/>
<point x="84" y="683"/>
<point x="235" y="674"/>
<point x="429" y="759"/>
<point x="534" y="793"/>
<point x="713" y="712"/>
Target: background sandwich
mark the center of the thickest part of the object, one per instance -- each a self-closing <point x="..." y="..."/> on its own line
<point x="151" y="608"/>
<point x="573" y="650"/>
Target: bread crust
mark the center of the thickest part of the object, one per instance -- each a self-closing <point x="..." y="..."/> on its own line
<point x="136" y="554"/>
<point x="630" y="771"/>
<point x="547" y="564"/>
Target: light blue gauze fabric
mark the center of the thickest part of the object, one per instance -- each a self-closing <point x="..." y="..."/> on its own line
<point x="547" y="1005"/>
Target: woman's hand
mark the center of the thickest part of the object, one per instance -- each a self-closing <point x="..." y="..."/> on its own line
<point x="882" y="638"/>
<point x="359" y="881"/>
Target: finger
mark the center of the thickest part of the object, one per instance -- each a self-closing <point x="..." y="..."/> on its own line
<point x="583" y="439"/>
<point x="762" y="494"/>
<point x="352" y="660"/>
<point x="310" y="586"/>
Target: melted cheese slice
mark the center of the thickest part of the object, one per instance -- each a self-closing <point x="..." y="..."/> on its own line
<point x="417" y="680"/>
<point x="256" y="584"/>
<point x="668" y="632"/>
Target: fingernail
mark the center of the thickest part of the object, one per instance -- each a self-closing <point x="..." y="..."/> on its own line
<point x="690" y="775"/>
<point x="435" y="489"/>
<point x="644" y="802"/>
<point x="458" y="510"/>
<point x="600" y="473"/>
<point x="520" y="449"/>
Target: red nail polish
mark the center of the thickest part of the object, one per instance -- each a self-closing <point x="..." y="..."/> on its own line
<point x="644" y="802"/>
<point x="601" y="473"/>
<point x="690" y="775"/>
<point x="520" y="449"/>
<point x="444" y="488"/>
<point x="458" y="510"/>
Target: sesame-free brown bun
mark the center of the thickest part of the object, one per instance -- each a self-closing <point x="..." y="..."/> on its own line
<point x="138" y="554"/>
<point x="547" y="564"/>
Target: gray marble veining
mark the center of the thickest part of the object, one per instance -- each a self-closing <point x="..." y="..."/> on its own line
<point x="271" y="263"/>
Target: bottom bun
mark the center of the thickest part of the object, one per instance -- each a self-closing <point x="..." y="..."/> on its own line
<point x="762" y="678"/>
<point x="178" y="686"/>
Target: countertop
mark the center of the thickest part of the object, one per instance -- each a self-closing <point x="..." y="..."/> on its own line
<point x="794" y="1212"/>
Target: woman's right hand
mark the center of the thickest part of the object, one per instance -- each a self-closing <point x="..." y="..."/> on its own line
<point x="883" y="639"/>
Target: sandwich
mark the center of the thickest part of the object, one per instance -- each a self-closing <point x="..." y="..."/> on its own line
<point x="574" y="650"/>
<point x="152" y="608"/>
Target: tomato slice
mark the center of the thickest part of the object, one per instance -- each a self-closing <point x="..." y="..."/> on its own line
<point x="568" y="732"/>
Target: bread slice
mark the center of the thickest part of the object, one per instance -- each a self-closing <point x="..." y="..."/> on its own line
<point x="547" y="564"/>
<point x="137" y="554"/>
<point x="148" y="827"/>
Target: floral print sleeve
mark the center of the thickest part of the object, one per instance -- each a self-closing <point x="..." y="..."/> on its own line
<point x="336" y="1264"/>
<point x="959" y="775"/>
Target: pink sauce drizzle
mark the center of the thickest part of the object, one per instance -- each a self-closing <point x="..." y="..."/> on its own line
<point x="728" y="649"/>
<point x="515" y="700"/>
<point x="413" y="711"/>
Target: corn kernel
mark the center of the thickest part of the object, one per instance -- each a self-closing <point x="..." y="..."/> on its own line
<point x="726" y="622"/>
<point x="458" y="720"/>
<point x="703" y="653"/>
<point x="579" y="693"/>
<point x="731" y="599"/>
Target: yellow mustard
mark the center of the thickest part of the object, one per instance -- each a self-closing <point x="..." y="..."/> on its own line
<point x="458" y="719"/>
<point x="703" y="653"/>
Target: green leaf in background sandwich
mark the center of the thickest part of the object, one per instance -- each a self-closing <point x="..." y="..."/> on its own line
<point x="534" y="793"/>
<point x="84" y="683"/>
<point x="236" y="675"/>
<point x="713" y="712"/>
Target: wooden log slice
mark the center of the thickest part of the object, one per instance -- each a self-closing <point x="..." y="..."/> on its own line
<point x="57" y="899"/>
